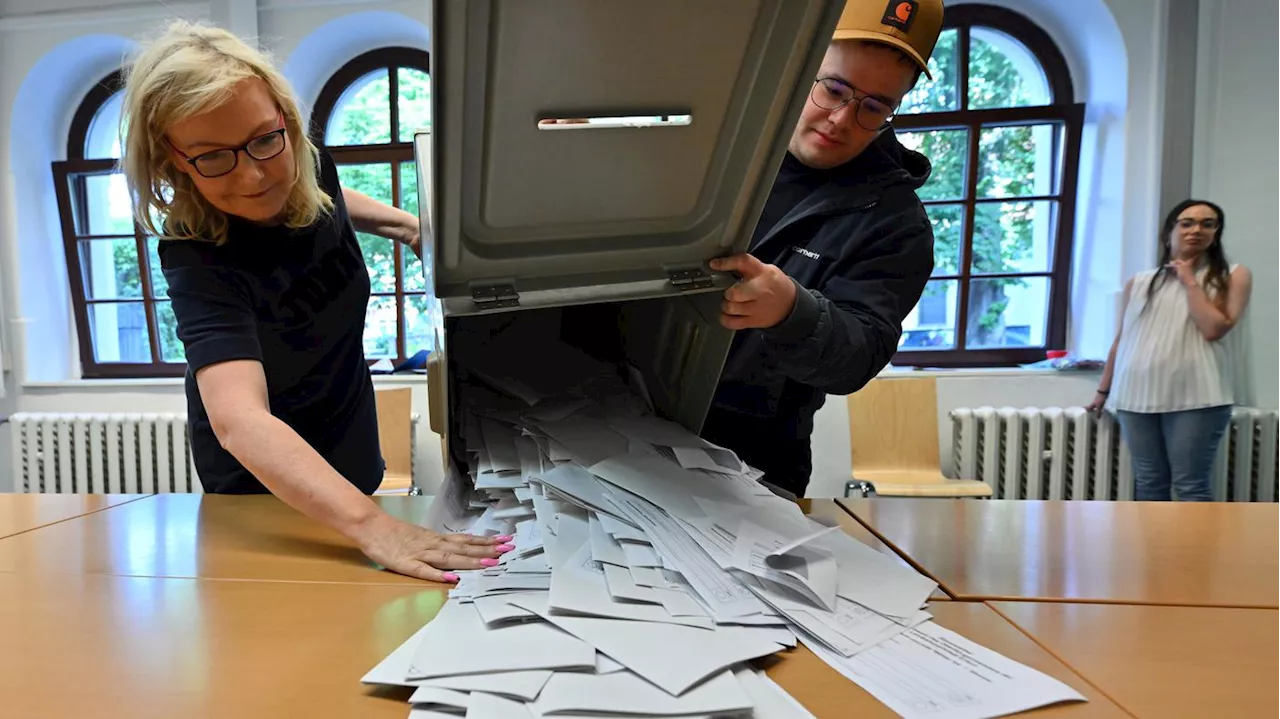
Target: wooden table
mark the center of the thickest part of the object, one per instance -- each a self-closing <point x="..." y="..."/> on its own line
<point x="1183" y="553"/>
<point x="206" y="536"/>
<point x="82" y="645"/>
<point x="124" y="647"/>
<point x="1161" y="661"/>
<point x="23" y="512"/>
<point x="827" y="511"/>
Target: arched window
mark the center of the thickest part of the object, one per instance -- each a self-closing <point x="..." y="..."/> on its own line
<point x="123" y="316"/>
<point x="1000" y="125"/>
<point x="366" y="117"/>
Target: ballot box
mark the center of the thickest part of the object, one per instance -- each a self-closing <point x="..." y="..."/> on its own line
<point x="585" y="160"/>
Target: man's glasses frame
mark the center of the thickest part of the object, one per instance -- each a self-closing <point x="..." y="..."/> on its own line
<point x="867" y="112"/>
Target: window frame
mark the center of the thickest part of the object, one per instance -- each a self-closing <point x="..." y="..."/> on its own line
<point x="71" y="191"/>
<point x="1063" y="111"/>
<point x="393" y="153"/>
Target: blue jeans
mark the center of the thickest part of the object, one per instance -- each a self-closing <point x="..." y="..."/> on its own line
<point x="1174" y="449"/>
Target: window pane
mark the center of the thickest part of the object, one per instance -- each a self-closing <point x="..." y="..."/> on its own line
<point x="171" y="349"/>
<point x="948" y="237"/>
<point x="1018" y="161"/>
<point x="372" y="179"/>
<point x="103" y="139"/>
<point x="942" y="92"/>
<point x="1013" y="236"/>
<point x="109" y="269"/>
<point x="159" y="285"/>
<point x="946" y="150"/>
<point x="414" y="279"/>
<point x="1007" y="312"/>
<point x="105" y="208"/>
<point x="1003" y="72"/>
<point x="119" y="332"/>
<point x="421" y="315"/>
<point x="380" y="328"/>
<point x="380" y="260"/>
<point x="932" y="324"/>
<point x="414" y="101"/>
<point x="362" y="115"/>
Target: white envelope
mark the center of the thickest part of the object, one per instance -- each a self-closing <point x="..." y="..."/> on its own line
<point x="457" y="642"/>
<point x="647" y="648"/>
<point x="524" y="686"/>
<point x="626" y="693"/>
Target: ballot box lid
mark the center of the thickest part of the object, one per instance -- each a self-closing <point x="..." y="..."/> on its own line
<point x="582" y="150"/>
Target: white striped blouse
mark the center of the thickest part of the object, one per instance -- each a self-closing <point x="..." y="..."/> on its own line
<point x="1163" y="363"/>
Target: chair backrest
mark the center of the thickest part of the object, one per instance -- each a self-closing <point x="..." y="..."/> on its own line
<point x="395" y="419"/>
<point x="893" y="425"/>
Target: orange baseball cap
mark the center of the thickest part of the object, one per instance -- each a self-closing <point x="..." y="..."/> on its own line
<point x="912" y="26"/>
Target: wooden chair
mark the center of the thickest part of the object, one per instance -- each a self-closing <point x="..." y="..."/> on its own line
<point x="395" y="435"/>
<point x="893" y="431"/>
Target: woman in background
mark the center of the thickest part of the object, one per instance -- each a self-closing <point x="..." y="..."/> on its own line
<point x="270" y="291"/>
<point x="1168" y="376"/>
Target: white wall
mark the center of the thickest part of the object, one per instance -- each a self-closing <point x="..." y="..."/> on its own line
<point x="1234" y="163"/>
<point x="1117" y="51"/>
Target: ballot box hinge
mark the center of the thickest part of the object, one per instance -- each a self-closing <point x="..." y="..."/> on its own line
<point x="494" y="296"/>
<point x="690" y="278"/>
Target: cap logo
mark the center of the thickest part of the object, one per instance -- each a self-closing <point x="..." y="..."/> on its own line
<point x="900" y="14"/>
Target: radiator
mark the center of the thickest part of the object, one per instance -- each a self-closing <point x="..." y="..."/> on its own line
<point x="56" y="452"/>
<point x="94" y="453"/>
<point x="1068" y="453"/>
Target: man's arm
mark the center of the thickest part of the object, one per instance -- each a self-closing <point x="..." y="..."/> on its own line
<point x="839" y="338"/>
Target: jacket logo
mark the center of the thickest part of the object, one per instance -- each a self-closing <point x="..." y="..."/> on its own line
<point x="900" y="14"/>
<point x="807" y="253"/>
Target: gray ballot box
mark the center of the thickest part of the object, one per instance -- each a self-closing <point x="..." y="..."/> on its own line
<point x="586" y="159"/>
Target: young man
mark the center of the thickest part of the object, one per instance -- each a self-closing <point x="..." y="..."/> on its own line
<point x="842" y="250"/>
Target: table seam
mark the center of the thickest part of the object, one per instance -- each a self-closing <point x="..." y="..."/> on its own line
<point x="425" y="585"/>
<point x="906" y="557"/>
<point x="79" y="516"/>
<point x="1060" y="659"/>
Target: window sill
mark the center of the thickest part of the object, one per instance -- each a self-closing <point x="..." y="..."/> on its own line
<point x="892" y="372"/>
<point x="145" y="383"/>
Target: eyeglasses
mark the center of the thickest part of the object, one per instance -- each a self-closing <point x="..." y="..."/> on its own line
<point x="870" y="113"/>
<point x="1186" y="223"/>
<point x="217" y="163"/>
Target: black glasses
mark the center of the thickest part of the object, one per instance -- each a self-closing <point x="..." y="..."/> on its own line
<point x="870" y="113"/>
<point x="220" y="162"/>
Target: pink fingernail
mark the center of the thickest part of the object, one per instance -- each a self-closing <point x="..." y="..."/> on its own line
<point x="503" y="548"/>
<point x="450" y="577"/>
<point x="489" y="562"/>
<point x="504" y="539"/>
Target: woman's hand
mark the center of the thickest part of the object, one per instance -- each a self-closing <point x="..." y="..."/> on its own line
<point x="1185" y="270"/>
<point x="419" y="552"/>
<point x="1098" y="403"/>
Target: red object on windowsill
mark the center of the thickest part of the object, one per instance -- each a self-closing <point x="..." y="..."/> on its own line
<point x="1055" y="354"/>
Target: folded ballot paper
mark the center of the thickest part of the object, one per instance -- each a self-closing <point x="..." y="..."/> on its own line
<point x="650" y="568"/>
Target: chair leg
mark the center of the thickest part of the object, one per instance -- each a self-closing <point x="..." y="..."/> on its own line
<point x="862" y="488"/>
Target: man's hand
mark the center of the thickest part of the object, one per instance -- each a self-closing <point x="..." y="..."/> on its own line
<point x="763" y="297"/>
<point x="418" y="552"/>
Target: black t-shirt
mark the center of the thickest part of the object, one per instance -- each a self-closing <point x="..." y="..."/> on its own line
<point x="294" y="300"/>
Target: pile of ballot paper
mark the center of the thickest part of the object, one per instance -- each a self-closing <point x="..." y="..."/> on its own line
<point x="650" y="567"/>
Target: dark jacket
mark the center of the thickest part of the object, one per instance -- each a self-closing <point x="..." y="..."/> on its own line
<point x="859" y="248"/>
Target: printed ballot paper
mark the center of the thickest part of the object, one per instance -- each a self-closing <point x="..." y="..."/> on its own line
<point x="651" y="569"/>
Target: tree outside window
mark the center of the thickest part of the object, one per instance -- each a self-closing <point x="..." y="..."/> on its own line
<point x="998" y="124"/>
<point x="366" y="117"/>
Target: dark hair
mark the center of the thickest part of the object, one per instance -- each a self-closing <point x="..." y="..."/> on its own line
<point x="1218" y="276"/>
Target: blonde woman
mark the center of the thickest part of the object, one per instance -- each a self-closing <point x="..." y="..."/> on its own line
<point x="269" y="288"/>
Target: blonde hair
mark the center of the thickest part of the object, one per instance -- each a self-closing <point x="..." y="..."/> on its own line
<point x="188" y="70"/>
